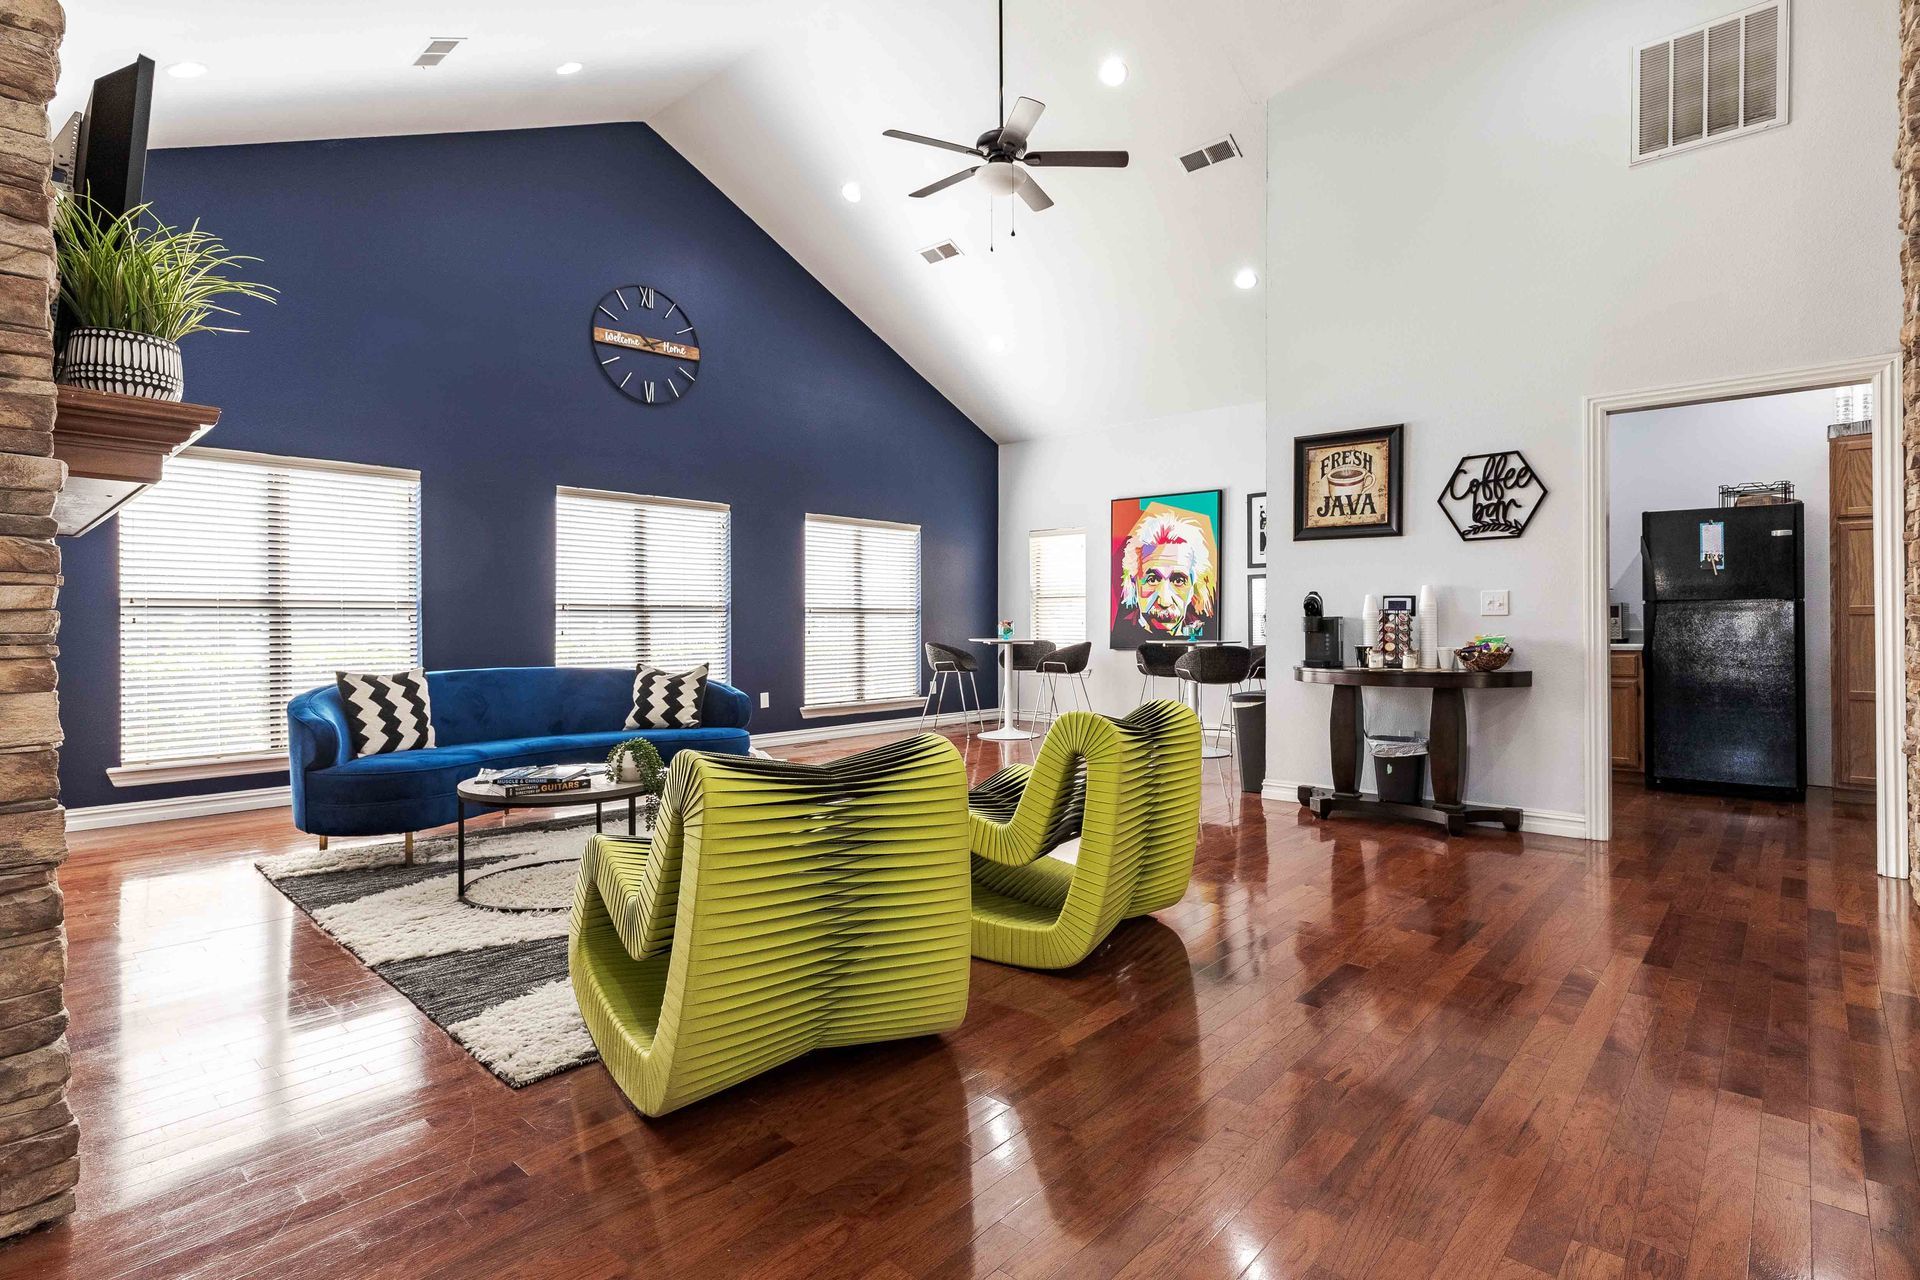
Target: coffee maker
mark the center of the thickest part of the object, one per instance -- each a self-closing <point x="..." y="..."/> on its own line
<point x="1322" y="635"/>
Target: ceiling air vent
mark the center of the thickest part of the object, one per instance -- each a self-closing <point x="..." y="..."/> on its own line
<point x="1211" y="154"/>
<point x="437" y="49"/>
<point x="940" y="252"/>
<point x="1715" y="82"/>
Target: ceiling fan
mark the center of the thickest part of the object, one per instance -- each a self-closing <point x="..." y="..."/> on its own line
<point x="1002" y="151"/>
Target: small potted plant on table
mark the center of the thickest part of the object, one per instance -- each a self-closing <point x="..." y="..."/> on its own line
<point x="637" y="760"/>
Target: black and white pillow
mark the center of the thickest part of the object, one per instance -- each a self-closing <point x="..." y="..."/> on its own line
<point x="387" y="713"/>
<point x="663" y="700"/>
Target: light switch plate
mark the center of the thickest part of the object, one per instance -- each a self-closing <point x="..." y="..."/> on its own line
<point x="766" y="700"/>
<point x="1493" y="604"/>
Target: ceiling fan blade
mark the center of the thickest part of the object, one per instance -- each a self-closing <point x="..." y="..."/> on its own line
<point x="1077" y="159"/>
<point x="925" y="141"/>
<point x="1037" y="199"/>
<point x="1020" y="121"/>
<point x="943" y="184"/>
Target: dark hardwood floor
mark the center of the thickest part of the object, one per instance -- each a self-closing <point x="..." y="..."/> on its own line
<point x="1354" y="1050"/>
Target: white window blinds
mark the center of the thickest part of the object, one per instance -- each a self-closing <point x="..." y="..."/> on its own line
<point x="642" y="579"/>
<point x="246" y="579"/>
<point x="1257" y="608"/>
<point x="863" y="613"/>
<point x="1057" y="575"/>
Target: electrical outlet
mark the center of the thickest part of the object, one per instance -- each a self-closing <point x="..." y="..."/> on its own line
<point x="766" y="700"/>
<point x="1493" y="604"/>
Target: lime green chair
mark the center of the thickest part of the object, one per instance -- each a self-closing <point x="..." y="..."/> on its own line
<point x="1130" y="790"/>
<point x="778" y="908"/>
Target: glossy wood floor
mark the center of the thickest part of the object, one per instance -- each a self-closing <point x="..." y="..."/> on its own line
<point x="1353" y="1050"/>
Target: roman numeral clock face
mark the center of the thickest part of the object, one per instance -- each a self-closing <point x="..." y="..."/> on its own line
<point x="645" y="344"/>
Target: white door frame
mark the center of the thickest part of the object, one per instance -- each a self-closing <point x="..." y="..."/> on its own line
<point x="1889" y="575"/>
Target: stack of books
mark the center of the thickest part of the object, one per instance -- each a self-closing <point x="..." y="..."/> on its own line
<point x="543" y="779"/>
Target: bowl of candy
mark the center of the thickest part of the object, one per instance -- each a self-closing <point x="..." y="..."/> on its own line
<point x="1485" y="653"/>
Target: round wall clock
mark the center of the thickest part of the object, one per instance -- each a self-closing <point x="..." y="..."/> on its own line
<point x="645" y="344"/>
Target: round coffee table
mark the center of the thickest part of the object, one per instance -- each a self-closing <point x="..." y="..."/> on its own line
<point x="488" y="796"/>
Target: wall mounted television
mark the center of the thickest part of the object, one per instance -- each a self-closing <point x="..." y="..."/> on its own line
<point x="110" y="158"/>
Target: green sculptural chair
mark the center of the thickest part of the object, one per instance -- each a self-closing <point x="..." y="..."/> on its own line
<point x="778" y="908"/>
<point x="1130" y="790"/>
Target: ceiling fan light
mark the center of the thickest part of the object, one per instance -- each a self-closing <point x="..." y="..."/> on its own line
<point x="998" y="177"/>
<point x="1113" y="72"/>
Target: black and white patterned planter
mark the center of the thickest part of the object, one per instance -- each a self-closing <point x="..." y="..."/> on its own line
<point x="123" y="362"/>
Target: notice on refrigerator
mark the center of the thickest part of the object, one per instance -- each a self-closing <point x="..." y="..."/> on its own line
<point x="1713" y="545"/>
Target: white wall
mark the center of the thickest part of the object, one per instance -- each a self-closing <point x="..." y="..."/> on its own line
<point x="1067" y="482"/>
<point x="1456" y="241"/>
<point x="1668" y="459"/>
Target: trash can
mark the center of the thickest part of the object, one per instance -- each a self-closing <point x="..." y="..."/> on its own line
<point x="1399" y="767"/>
<point x="1250" y="735"/>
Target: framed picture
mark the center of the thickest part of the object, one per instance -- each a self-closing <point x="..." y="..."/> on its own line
<point x="1256" y="608"/>
<point x="1164" y="568"/>
<point x="1346" y="484"/>
<point x="1256" y="531"/>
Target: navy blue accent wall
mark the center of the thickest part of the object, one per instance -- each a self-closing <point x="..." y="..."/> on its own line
<point x="434" y="314"/>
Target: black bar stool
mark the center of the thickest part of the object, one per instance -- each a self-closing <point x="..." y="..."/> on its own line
<point x="1223" y="664"/>
<point x="1157" y="662"/>
<point x="1068" y="662"/>
<point x="946" y="660"/>
<point x="1026" y="655"/>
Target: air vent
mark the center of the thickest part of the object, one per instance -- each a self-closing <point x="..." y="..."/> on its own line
<point x="940" y="252"/>
<point x="1211" y="154"/>
<point x="1712" y="83"/>
<point x="437" y="50"/>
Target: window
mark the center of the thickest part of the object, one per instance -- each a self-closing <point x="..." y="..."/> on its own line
<point x="1256" y="608"/>
<point x="642" y="579"/>
<point x="863" y="615"/>
<point x="1057" y="575"/>
<point x="246" y="579"/>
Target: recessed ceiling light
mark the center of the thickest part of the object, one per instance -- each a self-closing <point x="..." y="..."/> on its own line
<point x="1113" y="72"/>
<point x="1245" y="278"/>
<point x="187" y="70"/>
<point x="996" y="343"/>
<point x="566" y="69"/>
<point x="850" y="192"/>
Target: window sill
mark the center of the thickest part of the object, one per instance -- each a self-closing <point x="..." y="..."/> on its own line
<point x="861" y="708"/>
<point x="147" y="775"/>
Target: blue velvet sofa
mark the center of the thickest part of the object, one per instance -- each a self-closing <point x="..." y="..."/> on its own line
<point x="494" y="717"/>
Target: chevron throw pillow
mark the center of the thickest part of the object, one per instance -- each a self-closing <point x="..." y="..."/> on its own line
<point x="387" y="713"/>
<point x="663" y="700"/>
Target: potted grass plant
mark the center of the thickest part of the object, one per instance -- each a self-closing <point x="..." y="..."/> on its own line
<point x="134" y="287"/>
<point x="637" y="760"/>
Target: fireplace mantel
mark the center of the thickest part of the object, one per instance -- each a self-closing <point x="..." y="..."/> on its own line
<point x="114" y="447"/>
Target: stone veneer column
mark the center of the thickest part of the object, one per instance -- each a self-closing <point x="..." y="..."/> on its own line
<point x="38" y="1136"/>
<point x="1908" y="161"/>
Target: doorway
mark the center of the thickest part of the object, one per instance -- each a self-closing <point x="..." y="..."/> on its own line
<point x="1686" y="419"/>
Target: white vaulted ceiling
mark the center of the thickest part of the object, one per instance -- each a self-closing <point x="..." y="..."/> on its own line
<point x="1118" y="304"/>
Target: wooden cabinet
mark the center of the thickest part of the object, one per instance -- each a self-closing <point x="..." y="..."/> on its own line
<point x="1850" y="479"/>
<point x="1628" y="707"/>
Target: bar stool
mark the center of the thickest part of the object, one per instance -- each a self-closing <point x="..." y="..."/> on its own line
<point x="946" y="660"/>
<point x="1068" y="662"/>
<point x="1257" y="669"/>
<point x="1225" y="664"/>
<point x="1026" y="655"/>
<point x="1157" y="662"/>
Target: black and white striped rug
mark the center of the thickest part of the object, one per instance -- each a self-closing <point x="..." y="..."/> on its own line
<point x="496" y="981"/>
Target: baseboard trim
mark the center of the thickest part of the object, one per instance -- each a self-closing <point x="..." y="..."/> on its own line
<point x="1544" y="822"/>
<point x="133" y="812"/>
<point x="900" y="724"/>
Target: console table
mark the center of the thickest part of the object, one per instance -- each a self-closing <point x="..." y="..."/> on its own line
<point x="1446" y="746"/>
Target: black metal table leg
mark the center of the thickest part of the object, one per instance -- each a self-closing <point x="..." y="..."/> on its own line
<point x="633" y="813"/>
<point x="460" y="854"/>
<point x="596" y="817"/>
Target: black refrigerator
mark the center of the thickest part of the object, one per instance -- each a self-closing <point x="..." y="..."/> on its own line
<point x="1726" y="650"/>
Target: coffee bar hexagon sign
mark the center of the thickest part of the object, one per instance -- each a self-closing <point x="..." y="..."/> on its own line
<point x="1492" y="495"/>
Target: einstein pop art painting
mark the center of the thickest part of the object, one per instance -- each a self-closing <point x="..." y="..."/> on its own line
<point x="1164" y="565"/>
